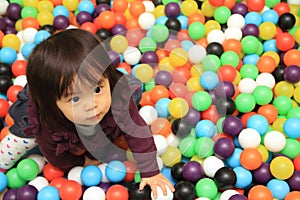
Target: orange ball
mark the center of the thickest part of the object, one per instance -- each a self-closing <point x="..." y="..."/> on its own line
<point x="4" y="106"/>
<point x="255" y="5"/>
<point x="132" y="23"/>
<point x="72" y="19"/>
<point x="292" y="57"/>
<point x="161" y="126"/>
<point x="232" y="45"/>
<point x="107" y="19"/>
<point x="294" y="195"/>
<point x="251" y="158"/>
<point x="1" y="37"/>
<point x="9" y="121"/>
<point x="161" y="54"/>
<point x="146" y="99"/>
<point x="4" y="132"/>
<point x="119" y="6"/>
<point x="70" y="190"/>
<point x="196" y="17"/>
<point x="229" y="3"/>
<point x="120" y="18"/>
<point x="19" y="67"/>
<point x="181" y="74"/>
<point x="158" y="92"/>
<point x="260" y="192"/>
<point x="56" y="2"/>
<point x="266" y="64"/>
<point x="227" y="73"/>
<point x="51" y="172"/>
<point x="57" y="182"/>
<point x="30" y="22"/>
<point x="183" y="35"/>
<point x="12" y="92"/>
<point x="269" y="112"/>
<point x="203" y="42"/>
<point x="117" y="191"/>
<point x="89" y="26"/>
<point x="136" y="8"/>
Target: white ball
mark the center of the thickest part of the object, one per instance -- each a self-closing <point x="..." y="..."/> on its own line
<point x="202" y="198"/>
<point x="102" y="168"/>
<point x="146" y="20"/>
<point x="149" y="6"/>
<point x="236" y="20"/>
<point x="160" y="163"/>
<point x="29" y="34"/>
<point x="74" y="174"/>
<point x="227" y="194"/>
<point x="19" y="55"/>
<point x="196" y="54"/>
<point x="3" y="7"/>
<point x="295" y="2"/>
<point x="161" y="196"/>
<point x="233" y="33"/>
<point x="274" y="141"/>
<point x="211" y="165"/>
<point x="39" y="160"/>
<point x="247" y="85"/>
<point x="132" y="55"/>
<point x="20" y="36"/>
<point x="216" y="36"/>
<point x="173" y="140"/>
<point x="94" y="193"/>
<point x="148" y="113"/>
<point x="160" y="143"/>
<point x="265" y="79"/>
<point x="39" y="182"/>
<point x="20" y="80"/>
<point x="249" y="138"/>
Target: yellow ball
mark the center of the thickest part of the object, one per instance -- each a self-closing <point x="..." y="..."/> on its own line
<point x="189" y="7"/>
<point x="45" y="18"/>
<point x="284" y="88"/>
<point x="178" y="107"/>
<point x="178" y="57"/>
<point x="144" y="72"/>
<point x="282" y="168"/>
<point x="297" y="35"/>
<point x="264" y="152"/>
<point x="278" y="124"/>
<point x="32" y="3"/>
<point x="45" y="6"/>
<point x="274" y="55"/>
<point x="211" y="25"/>
<point x="196" y="70"/>
<point x="267" y="30"/>
<point x="12" y="41"/>
<point x="18" y="25"/>
<point x="159" y="11"/>
<point x="198" y="159"/>
<point x="208" y="9"/>
<point x="165" y="65"/>
<point x="193" y="84"/>
<point x="297" y="94"/>
<point x="171" y="156"/>
<point x="71" y="5"/>
<point x="119" y="43"/>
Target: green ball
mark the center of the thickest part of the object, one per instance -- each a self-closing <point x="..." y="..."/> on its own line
<point x="201" y="100"/>
<point x="137" y="176"/>
<point x="211" y="62"/>
<point x="260" y="48"/>
<point x="249" y="44"/>
<point x="249" y="71"/>
<point x="20" y="2"/>
<point x="221" y="14"/>
<point x="187" y="145"/>
<point x="29" y="11"/>
<point x="292" y="148"/>
<point x="262" y="95"/>
<point x="230" y="58"/>
<point x="165" y="2"/>
<point x="27" y="169"/>
<point x="272" y="3"/>
<point x="206" y="187"/>
<point x="196" y="30"/>
<point x="147" y="44"/>
<point x="13" y="179"/>
<point x="148" y="86"/>
<point x="245" y="102"/>
<point x="204" y="147"/>
<point x="159" y="33"/>
<point x="219" y="124"/>
<point x="294" y="113"/>
<point x="283" y="104"/>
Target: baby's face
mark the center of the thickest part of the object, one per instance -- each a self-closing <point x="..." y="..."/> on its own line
<point x="87" y="105"/>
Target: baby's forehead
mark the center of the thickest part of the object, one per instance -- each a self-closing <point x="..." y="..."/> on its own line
<point x="82" y="85"/>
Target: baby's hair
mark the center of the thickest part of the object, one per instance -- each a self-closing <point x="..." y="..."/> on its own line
<point x="66" y="58"/>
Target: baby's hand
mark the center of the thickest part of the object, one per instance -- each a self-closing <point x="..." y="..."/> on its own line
<point x="157" y="180"/>
<point x="89" y="161"/>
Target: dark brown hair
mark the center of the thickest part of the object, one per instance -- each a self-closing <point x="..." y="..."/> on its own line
<point x="55" y="63"/>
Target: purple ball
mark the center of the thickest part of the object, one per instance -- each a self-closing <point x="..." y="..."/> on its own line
<point x="192" y="171"/>
<point x="118" y="29"/>
<point x="114" y="57"/>
<point x="10" y="30"/>
<point x="213" y="96"/>
<point x="224" y="148"/>
<point x="263" y="174"/>
<point x="14" y="11"/>
<point x="2" y="24"/>
<point x="8" y="21"/>
<point x="27" y="192"/>
<point x="172" y="9"/>
<point x="292" y="74"/>
<point x="240" y="8"/>
<point x="238" y="197"/>
<point x="83" y="17"/>
<point x="294" y="181"/>
<point x="61" y="22"/>
<point x="149" y="57"/>
<point x="100" y="8"/>
<point x="250" y="29"/>
<point x="104" y="186"/>
<point x="163" y="78"/>
<point x="224" y="89"/>
<point x="10" y="194"/>
<point x="232" y="126"/>
<point x="193" y="116"/>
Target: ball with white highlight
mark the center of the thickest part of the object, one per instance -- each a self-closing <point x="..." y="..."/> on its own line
<point x="249" y="138"/>
<point x="74" y="174"/>
<point x="274" y="141"/>
<point x="211" y="165"/>
<point x="160" y="143"/>
<point x="94" y="193"/>
<point x="39" y="182"/>
<point x="148" y="113"/>
<point x="161" y="196"/>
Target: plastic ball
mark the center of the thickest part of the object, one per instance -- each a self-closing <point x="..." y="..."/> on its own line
<point x="283" y="104"/>
<point x="135" y="193"/>
<point x="50" y="172"/>
<point x="184" y="190"/>
<point x="245" y="102"/>
<point x="282" y="167"/>
<point x="192" y="171"/>
<point x="265" y="79"/>
<point x="160" y="143"/>
<point x="216" y="36"/>
<point x="57" y="182"/>
<point x="267" y="30"/>
<point x="206" y="187"/>
<point x="294" y="195"/>
<point x="146" y="20"/>
<point x="61" y="22"/>
<point x="12" y="92"/>
<point x="263" y="95"/>
<point x="89" y="193"/>
<point x="263" y="174"/>
<point x="159" y="33"/>
<point x="171" y="156"/>
<point x="3" y="182"/>
<point x="249" y="138"/>
<point x="27" y="192"/>
<point x="260" y="192"/>
<point x="291" y="127"/>
<point x="149" y="57"/>
<point x="4" y="105"/>
<point x="13" y="179"/>
<point x="274" y="141"/>
<point x="251" y="158"/>
<point x="161" y="196"/>
<point x="115" y="171"/>
<point x="292" y="74"/>
<point x="132" y="55"/>
<point x="244" y="177"/>
<point x="27" y="169"/>
<point x="178" y="107"/>
<point x="70" y="190"/>
<point x="250" y="44"/>
<point x="91" y="175"/>
<point x="148" y="113"/>
<point x="117" y="192"/>
<point x="48" y="192"/>
<point x="8" y="55"/>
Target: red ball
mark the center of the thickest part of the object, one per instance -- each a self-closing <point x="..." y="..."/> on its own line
<point x="255" y="5"/>
<point x="4" y="106"/>
<point x="285" y="41"/>
<point x="89" y="26"/>
<point x="19" y="67"/>
<point x="70" y="190"/>
<point x="12" y="92"/>
<point x="281" y="8"/>
<point x="216" y="2"/>
<point x="296" y="162"/>
<point x="227" y="73"/>
<point x="51" y="172"/>
<point x="211" y="114"/>
<point x="130" y="170"/>
<point x="117" y="192"/>
<point x="57" y="182"/>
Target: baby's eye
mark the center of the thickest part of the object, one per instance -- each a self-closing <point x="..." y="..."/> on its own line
<point x="75" y="99"/>
<point x="97" y="89"/>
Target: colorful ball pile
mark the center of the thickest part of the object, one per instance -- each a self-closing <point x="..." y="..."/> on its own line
<point x="221" y="95"/>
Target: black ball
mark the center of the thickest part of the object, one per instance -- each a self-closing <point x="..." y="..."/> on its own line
<point x="1" y="125"/>
<point x="102" y="1"/>
<point x="48" y="28"/>
<point x="181" y="127"/>
<point x="278" y="73"/>
<point x="215" y="48"/>
<point x="286" y="21"/>
<point x="173" y="24"/>
<point x="5" y="69"/>
<point x="225" y="106"/>
<point x="5" y="83"/>
<point x="225" y="178"/>
<point x="136" y="194"/>
<point x="103" y="33"/>
<point x="184" y="190"/>
<point x="176" y="171"/>
<point x="157" y="2"/>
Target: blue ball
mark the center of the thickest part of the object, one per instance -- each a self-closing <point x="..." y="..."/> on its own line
<point x="186" y="44"/>
<point x="8" y="55"/>
<point x="166" y="171"/>
<point x="270" y="16"/>
<point x="48" y="192"/>
<point x="86" y="6"/>
<point x="253" y="18"/>
<point x="291" y="127"/>
<point x="3" y="181"/>
<point x="234" y="159"/>
<point x="209" y="80"/>
<point x="40" y="36"/>
<point x="251" y="59"/>
<point x="243" y="177"/>
<point x="161" y="20"/>
<point x="183" y="21"/>
<point x="27" y="49"/>
<point x="205" y="128"/>
<point x="91" y="175"/>
<point x="270" y="45"/>
<point x="259" y="123"/>
<point x="60" y="10"/>
<point x="161" y="107"/>
<point x="279" y="188"/>
<point x="115" y="171"/>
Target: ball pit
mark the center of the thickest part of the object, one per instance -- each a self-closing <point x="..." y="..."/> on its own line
<point x="221" y="94"/>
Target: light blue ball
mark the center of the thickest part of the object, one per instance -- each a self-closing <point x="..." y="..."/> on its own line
<point x="161" y="107"/>
<point x="186" y="45"/>
<point x="253" y="18"/>
<point x="270" y="16"/>
<point x="291" y="127"/>
<point x="27" y="49"/>
<point x="183" y="21"/>
<point x="243" y="177"/>
<point x="205" y="128"/>
<point x="60" y="10"/>
<point x="48" y="192"/>
<point x="91" y="175"/>
<point x="115" y="171"/>
<point x="86" y="6"/>
<point x="279" y="188"/>
<point x="8" y="55"/>
<point x="166" y="171"/>
<point x="209" y="80"/>
<point x="161" y="20"/>
<point x="3" y="181"/>
<point x="251" y="59"/>
<point x="40" y="36"/>
<point x="259" y="123"/>
<point x="234" y="159"/>
<point x="270" y="45"/>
